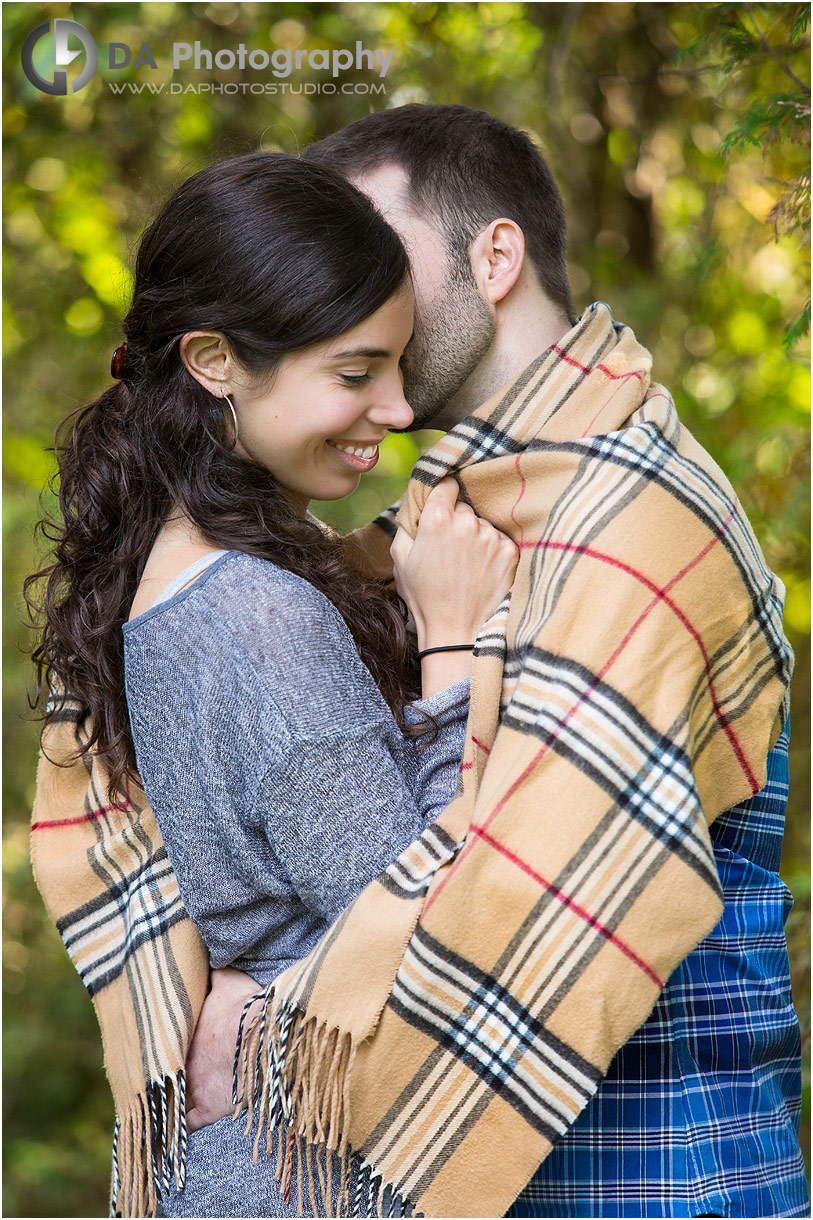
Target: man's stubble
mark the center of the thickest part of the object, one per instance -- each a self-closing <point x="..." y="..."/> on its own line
<point x="453" y="332"/>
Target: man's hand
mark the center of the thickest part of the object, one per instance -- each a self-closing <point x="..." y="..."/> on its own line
<point x="211" y="1056"/>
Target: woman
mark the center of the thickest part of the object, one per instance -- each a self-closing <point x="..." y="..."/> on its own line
<point x="262" y="684"/>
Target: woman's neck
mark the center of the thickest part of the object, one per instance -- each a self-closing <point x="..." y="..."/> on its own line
<point x="179" y="543"/>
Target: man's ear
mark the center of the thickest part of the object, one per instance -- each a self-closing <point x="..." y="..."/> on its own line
<point x="207" y="356"/>
<point x="497" y="255"/>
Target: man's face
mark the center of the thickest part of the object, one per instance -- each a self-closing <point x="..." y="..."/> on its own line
<point x="454" y="327"/>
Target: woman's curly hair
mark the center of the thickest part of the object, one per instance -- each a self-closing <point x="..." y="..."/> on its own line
<point x="277" y="254"/>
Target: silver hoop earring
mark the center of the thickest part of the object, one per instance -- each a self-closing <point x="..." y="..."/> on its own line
<point x="233" y="445"/>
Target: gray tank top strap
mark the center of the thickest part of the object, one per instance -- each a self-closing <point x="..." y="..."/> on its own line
<point x="183" y="578"/>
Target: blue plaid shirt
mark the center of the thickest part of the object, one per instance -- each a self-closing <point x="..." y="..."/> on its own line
<point x="699" y="1112"/>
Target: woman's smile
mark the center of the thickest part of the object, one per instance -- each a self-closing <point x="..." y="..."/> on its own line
<point x="356" y="455"/>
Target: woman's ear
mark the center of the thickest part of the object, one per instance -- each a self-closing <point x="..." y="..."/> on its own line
<point x="497" y="255"/>
<point x="207" y="356"/>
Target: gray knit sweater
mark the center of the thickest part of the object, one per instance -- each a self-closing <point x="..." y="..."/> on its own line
<point x="281" y="785"/>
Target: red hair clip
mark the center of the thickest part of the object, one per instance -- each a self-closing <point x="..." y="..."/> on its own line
<point x="121" y="366"/>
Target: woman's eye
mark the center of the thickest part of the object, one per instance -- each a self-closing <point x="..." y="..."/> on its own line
<point x="354" y="378"/>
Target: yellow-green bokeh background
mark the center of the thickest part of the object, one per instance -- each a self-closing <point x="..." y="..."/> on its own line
<point x="670" y="231"/>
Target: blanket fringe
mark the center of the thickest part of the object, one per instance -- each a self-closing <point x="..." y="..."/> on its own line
<point x="149" y="1147"/>
<point x="292" y="1080"/>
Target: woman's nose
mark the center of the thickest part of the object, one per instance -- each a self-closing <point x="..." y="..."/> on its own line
<point x="392" y="408"/>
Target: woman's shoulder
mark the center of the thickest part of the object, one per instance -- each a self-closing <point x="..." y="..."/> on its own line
<point x="237" y="589"/>
<point x="268" y="578"/>
<point x="245" y="610"/>
<point x="250" y="623"/>
<point x="256" y="596"/>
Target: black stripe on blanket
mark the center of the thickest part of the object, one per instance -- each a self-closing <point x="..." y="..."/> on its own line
<point x="470" y="1014"/>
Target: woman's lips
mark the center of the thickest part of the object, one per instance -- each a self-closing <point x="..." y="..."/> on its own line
<point x="355" y="461"/>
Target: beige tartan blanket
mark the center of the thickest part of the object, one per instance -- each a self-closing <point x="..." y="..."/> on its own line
<point x="458" y="1016"/>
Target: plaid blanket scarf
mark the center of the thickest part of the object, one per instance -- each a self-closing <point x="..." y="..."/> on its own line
<point x="110" y="889"/>
<point x="458" y="1016"/>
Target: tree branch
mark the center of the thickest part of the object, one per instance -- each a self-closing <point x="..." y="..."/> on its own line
<point x="767" y="47"/>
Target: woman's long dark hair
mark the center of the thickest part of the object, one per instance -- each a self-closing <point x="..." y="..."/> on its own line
<point x="277" y="254"/>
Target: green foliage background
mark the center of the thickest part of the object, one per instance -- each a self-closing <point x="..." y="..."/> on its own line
<point x="679" y="136"/>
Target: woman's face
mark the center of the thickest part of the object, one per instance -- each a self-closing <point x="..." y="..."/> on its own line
<point x="318" y="426"/>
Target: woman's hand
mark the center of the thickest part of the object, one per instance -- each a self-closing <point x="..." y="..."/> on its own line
<point x="211" y="1055"/>
<point x="452" y="577"/>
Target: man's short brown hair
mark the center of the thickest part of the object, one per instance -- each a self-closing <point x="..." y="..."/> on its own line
<point x="465" y="168"/>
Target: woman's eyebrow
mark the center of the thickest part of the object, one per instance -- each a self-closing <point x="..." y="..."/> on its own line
<point x="370" y="353"/>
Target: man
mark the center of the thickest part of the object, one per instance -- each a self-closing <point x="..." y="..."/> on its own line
<point x="698" y="1113"/>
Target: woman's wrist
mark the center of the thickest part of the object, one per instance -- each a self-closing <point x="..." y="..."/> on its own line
<point x="442" y="669"/>
<point x="445" y="648"/>
<point x="439" y="634"/>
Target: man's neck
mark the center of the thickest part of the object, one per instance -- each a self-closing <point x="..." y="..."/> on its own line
<point x="527" y="324"/>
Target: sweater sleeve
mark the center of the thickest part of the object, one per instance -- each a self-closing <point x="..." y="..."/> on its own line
<point x="436" y="752"/>
<point x="340" y="806"/>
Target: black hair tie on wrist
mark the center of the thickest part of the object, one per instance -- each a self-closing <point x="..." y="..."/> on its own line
<point x="446" y="648"/>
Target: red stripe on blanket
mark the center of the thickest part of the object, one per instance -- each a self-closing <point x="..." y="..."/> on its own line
<point x="600" y="368"/>
<point x="86" y="817"/>
<point x="603" y="407"/>
<point x="480" y="745"/>
<point x="661" y="594"/>
<point x="573" y="906"/>
<point x="620" y="376"/>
